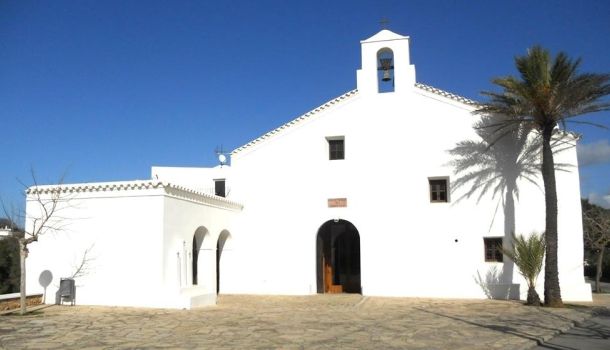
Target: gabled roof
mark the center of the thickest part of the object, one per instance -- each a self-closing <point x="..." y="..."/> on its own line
<point x="384" y="35"/>
<point x="298" y="120"/>
<point x="337" y="101"/>
<point x="137" y="185"/>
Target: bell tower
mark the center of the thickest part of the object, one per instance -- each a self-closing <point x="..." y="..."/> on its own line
<point x="386" y="66"/>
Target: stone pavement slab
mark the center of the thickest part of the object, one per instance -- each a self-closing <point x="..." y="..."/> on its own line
<point x="590" y="334"/>
<point x="307" y="322"/>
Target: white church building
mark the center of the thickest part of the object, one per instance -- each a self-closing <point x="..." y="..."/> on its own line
<point x="335" y="215"/>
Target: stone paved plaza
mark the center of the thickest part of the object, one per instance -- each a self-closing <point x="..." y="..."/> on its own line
<point x="272" y="322"/>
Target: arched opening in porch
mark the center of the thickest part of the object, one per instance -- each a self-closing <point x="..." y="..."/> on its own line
<point x="338" y="258"/>
<point x="223" y="246"/>
<point x="200" y="235"/>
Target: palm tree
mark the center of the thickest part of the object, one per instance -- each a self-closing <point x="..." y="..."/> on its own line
<point x="527" y="254"/>
<point x="548" y="93"/>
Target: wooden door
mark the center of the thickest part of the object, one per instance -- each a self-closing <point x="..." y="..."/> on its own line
<point x="329" y="287"/>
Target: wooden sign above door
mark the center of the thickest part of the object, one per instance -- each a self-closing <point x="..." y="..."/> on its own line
<point x="337" y="202"/>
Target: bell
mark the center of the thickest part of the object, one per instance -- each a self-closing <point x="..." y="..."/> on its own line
<point x="386" y="76"/>
<point x="386" y="65"/>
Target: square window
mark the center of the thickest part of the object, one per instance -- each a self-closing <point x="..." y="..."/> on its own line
<point x="219" y="187"/>
<point x="492" y="249"/>
<point x="438" y="190"/>
<point x="336" y="149"/>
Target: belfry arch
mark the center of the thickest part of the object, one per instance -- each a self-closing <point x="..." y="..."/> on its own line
<point x="338" y="258"/>
<point x="385" y="70"/>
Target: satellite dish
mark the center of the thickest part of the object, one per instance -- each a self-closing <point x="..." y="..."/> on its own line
<point x="222" y="158"/>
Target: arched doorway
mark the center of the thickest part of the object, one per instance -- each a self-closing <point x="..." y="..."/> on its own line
<point x="222" y="245"/>
<point x="198" y="238"/>
<point x="338" y="258"/>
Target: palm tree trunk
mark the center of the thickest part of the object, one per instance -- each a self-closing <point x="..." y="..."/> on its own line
<point x="598" y="270"/>
<point x="552" y="292"/>
<point x="532" y="297"/>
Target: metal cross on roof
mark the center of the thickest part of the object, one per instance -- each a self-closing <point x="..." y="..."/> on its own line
<point x="384" y="23"/>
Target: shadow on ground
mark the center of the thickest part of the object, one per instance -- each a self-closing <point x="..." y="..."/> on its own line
<point x="590" y="334"/>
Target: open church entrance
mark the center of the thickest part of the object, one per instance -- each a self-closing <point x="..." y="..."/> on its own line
<point x="338" y="258"/>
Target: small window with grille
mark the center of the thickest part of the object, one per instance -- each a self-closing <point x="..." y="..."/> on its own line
<point x="336" y="148"/>
<point x="439" y="190"/>
<point x="492" y="249"/>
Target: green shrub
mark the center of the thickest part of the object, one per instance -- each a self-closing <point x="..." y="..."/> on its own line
<point x="528" y="255"/>
<point x="9" y="265"/>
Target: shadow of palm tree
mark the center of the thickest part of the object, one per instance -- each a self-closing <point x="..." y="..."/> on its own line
<point x="493" y="165"/>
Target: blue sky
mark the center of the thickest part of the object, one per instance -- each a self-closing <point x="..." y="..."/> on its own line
<point x="103" y="90"/>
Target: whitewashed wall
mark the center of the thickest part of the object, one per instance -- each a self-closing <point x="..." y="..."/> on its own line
<point x="123" y="231"/>
<point x="184" y="218"/>
<point x="138" y="240"/>
<point x="393" y="143"/>
<point x="409" y="247"/>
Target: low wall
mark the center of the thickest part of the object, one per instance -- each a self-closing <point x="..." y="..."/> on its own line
<point x="11" y="301"/>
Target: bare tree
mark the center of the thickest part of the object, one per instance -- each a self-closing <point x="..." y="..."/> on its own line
<point x="44" y="218"/>
<point x="596" y="224"/>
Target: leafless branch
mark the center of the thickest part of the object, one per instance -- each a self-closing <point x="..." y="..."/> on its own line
<point x="82" y="269"/>
<point x="43" y="218"/>
<point x="596" y="225"/>
<point x="597" y="228"/>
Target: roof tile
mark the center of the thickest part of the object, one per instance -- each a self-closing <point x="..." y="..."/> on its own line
<point x="130" y="185"/>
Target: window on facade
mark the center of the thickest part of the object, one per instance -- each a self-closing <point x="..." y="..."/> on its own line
<point x="219" y="187"/>
<point x="492" y="249"/>
<point x="336" y="149"/>
<point x="438" y="190"/>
